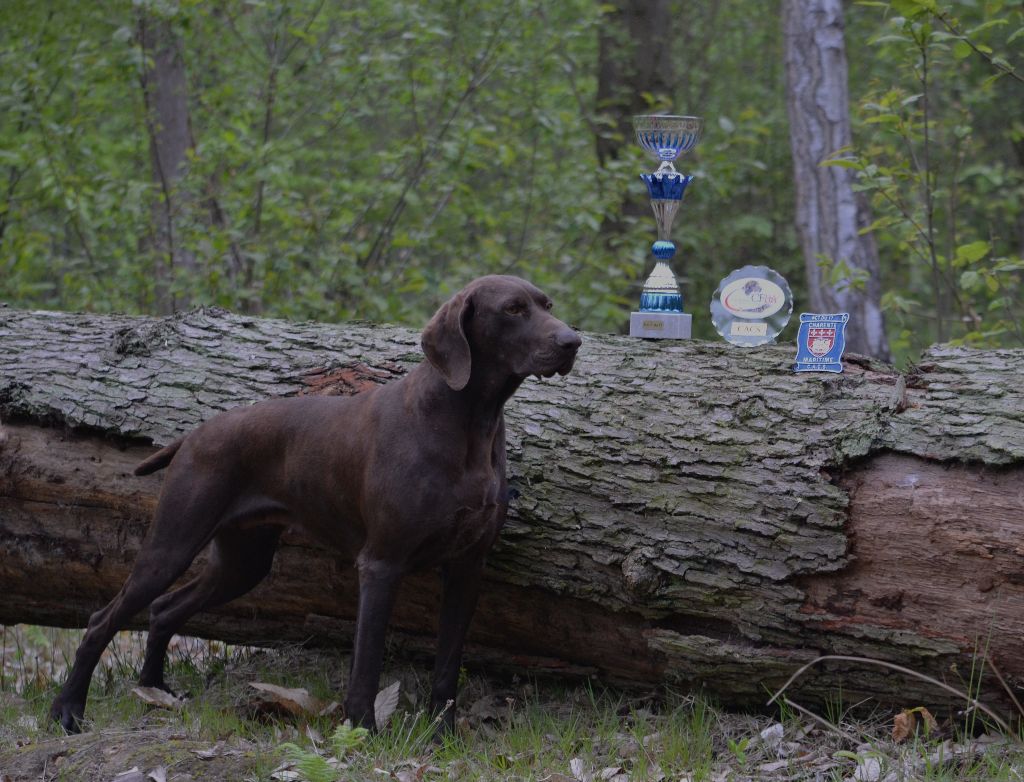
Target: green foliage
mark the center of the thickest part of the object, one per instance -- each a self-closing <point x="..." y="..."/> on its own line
<point x="346" y="739"/>
<point x="739" y="749"/>
<point x="941" y="160"/>
<point x="362" y="161"/>
<point x="312" y="766"/>
<point x="367" y="160"/>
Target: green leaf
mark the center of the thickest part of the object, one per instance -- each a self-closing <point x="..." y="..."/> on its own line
<point x="912" y="8"/>
<point x="841" y="162"/>
<point x="882" y="222"/>
<point x="970" y="280"/>
<point x="961" y="50"/>
<point x="986" y="25"/>
<point x="972" y="252"/>
<point x="883" y="119"/>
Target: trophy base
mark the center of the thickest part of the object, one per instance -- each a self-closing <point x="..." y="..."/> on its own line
<point x="660" y="325"/>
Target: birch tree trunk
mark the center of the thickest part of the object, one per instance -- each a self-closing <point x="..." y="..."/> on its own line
<point x="829" y="214"/>
<point x="688" y="512"/>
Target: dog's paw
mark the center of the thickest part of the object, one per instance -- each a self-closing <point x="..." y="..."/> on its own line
<point x="69" y="714"/>
<point x="160" y="684"/>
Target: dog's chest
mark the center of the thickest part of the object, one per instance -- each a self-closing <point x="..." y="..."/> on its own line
<point x="473" y="530"/>
<point x="473" y="513"/>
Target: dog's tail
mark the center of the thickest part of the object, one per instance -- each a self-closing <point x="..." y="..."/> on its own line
<point x="160" y="459"/>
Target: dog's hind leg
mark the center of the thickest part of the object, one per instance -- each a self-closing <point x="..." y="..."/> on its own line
<point x="184" y="523"/>
<point x="239" y="560"/>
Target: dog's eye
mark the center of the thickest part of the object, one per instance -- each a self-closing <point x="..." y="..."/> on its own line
<point x="516" y="308"/>
<point x="548" y="305"/>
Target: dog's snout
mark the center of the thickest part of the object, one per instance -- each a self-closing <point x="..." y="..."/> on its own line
<point x="567" y="339"/>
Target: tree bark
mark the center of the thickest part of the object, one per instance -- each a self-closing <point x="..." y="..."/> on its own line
<point x="829" y="214"/>
<point x="165" y="93"/>
<point x="634" y="67"/>
<point x="635" y="75"/>
<point x="689" y="513"/>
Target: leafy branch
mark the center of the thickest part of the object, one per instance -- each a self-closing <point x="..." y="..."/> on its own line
<point x="912" y="8"/>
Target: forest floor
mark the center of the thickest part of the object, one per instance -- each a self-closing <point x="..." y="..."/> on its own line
<point x="508" y="729"/>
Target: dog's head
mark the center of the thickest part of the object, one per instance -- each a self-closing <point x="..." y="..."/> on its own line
<point x="504" y="325"/>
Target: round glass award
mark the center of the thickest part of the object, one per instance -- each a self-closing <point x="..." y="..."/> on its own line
<point x="752" y="306"/>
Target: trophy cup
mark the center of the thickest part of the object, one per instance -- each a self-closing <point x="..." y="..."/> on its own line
<point x="661" y="304"/>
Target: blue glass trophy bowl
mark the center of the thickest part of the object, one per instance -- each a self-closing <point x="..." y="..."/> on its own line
<point x="667" y="136"/>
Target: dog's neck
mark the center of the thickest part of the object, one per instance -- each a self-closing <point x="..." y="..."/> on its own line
<point x="479" y="405"/>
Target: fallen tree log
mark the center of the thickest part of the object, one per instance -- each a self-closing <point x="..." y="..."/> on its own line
<point x="688" y="512"/>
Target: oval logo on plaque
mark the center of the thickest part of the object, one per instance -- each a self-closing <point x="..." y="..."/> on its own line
<point x="751" y="306"/>
<point x="753" y="298"/>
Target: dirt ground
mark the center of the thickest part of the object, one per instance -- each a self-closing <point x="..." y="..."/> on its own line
<point x="508" y="728"/>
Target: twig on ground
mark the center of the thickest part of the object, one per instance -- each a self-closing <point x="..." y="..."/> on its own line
<point x="821" y="720"/>
<point x="974" y="702"/>
<point x="1002" y="681"/>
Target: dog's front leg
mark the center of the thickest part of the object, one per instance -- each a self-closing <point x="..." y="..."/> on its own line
<point x="378" y="582"/>
<point x="461" y="586"/>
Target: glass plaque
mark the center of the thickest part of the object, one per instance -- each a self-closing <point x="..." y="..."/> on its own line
<point x="752" y="306"/>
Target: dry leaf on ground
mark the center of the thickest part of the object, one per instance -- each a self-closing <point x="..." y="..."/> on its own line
<point x="296" y="701"/>
<point x="868" y="770"/>
<point x="385" y="703"/>
<point x="221" y="749"/>
<point x="772" y="735"/>
<point x="484" y="709"/>
<point x="330" y="709"/>
<point x="157" y="697"/>
<point x="580" y="771"/>
<point x="131" y="775"/>
<point x="905" y="723"/>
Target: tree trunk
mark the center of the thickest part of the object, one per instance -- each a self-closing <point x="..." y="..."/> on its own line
<point x="634" y="67"/>
<point x="829" y="214"/>
<point x="165" y="92"/>
<point x="688" y="512"/>
<point x="635" y="75"/>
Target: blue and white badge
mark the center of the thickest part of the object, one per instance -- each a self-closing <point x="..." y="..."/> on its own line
<point x="820" y="342"/>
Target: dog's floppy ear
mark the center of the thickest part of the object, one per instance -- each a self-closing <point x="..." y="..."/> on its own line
<point x="444" y="341"/>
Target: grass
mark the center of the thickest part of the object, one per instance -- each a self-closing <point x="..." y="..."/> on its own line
<point x="508" y="729"/>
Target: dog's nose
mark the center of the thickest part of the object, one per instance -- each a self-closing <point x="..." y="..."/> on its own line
<point x="567" y="339"/>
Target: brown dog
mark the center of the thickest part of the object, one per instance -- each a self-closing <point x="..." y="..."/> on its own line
<point x="401" y="477"/>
